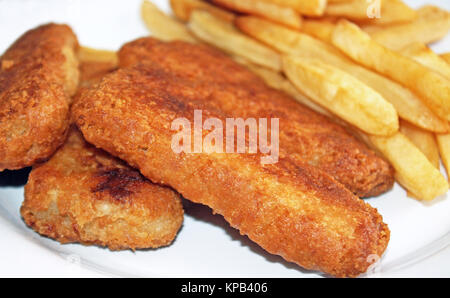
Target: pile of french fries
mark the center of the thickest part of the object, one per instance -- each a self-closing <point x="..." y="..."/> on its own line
<point x="364" y="64"/>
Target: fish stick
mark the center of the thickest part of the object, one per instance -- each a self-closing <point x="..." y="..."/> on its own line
<point x="304" y="135"/>
<point x="290" y="208"/>
<point x="83" y="194"/>
<point x="38" y="75"/>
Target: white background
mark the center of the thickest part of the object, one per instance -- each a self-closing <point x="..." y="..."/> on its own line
<point x="206" y="245"/>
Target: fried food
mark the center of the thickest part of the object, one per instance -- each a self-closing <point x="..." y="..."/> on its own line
<point x="321" y="29"/>
<point x="38" y="76"/>
<point x="94" y="64"/>
<point x="343" y="94"/>
<point x="393" y="12"/>
<point x="352" y="9"/>
<point x="408" y="105"/>
<point x="163" y="26"/>
<point x="424" y="140"/>
<point x="83" y="194"/>
<point x="390" y="11"/>
<point x="446" y="57"/>
<point x="86" y="54"/>
<point x="412" y="168"/>
<point x="278" y="81"/>
<point x="290" y="208"/>
<point x="433" y="88"/>
<point x="280" y="14"/>
<point x="304" y="135"/>
<point x="425" y="56"/>
<point x="183" y="9"/>
<point x="226" y="37"/>
<point x="307" y="8"/>
<point x="432" y="24"/>
<point x="443" y="141"/>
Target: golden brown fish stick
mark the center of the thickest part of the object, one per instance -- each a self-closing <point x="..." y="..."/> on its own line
<point x="38" y="76"/>
<point x="83" y="194"/>
<point x="304" y="135"/>
<point x="289" y="208"/>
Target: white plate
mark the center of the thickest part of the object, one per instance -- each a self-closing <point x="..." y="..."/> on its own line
<point x="206" y="246"/>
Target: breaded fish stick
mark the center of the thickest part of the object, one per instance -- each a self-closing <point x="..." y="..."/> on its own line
<point x="304" y="135"/>
<point x="289" y="208"/>
<point x="38" y="76"/>
<point x="83" y="194"/>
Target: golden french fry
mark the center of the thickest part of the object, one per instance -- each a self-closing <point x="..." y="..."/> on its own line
<point x="343" y="94"/>
<point x="163" y="26"/>
<point x="226" y="37"/>
<point x="280" y="14"/>
<point x="277" y="81"/>
<point x="86" y="54"/>
<point x="392" y="12"/>
<point x="432" y="87"/>
<point x="413" y="170"/>
<point x="446" y="57"/>
<point x="308" y="8"/>
<point x="320" y="29"/>
<point x="425" y="56"/>
<point x="424" y="140"/>
<point x="432" y="24"/>
<point x="371" y="29"/>
<point x="443" y="141"/>
<point x="183" y="8"/>
<point x="292" y="42"/>
<point x="354" y="9"/>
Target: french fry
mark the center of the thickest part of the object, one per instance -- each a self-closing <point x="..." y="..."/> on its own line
<point x="371" y="29"/>
<point x="320" y="28"/>
<point x="277" y="81"/>
<point x="163" y="26"/>
<point x="280" y="14"/>
<point x="354" y="9"/>
<point x="225" y="36"/>
<point x="341" y="93"/>
<point x="413" y="170"/>
<point x="392" y="12"/>
<point x="287" y="41"/>
<point x="446" y="57"/>
<point x="424" y="140"/>
<point x="406" y="158"/>
<point x="308" y="8"/>
<point x="432" y="24"/>
<point x="443" y="141"/>
<point x="425" y="56"/>
<point x="86" y="54"/>
<point x="432" y="87"/>
<point x="183" y="9"/>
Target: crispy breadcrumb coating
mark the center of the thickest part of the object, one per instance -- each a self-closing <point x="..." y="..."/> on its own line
<point x="290" y="208"/>
<point x="83" y="194"/>
<point x="38" y="76"/>
<point x="304" y="135"/>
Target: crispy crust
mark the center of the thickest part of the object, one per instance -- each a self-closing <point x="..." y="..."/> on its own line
<point x="305" y="136"/>
<point x="290" y="208"/>
<point x="82" y="194"/>
<point x="38" y="74"/>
